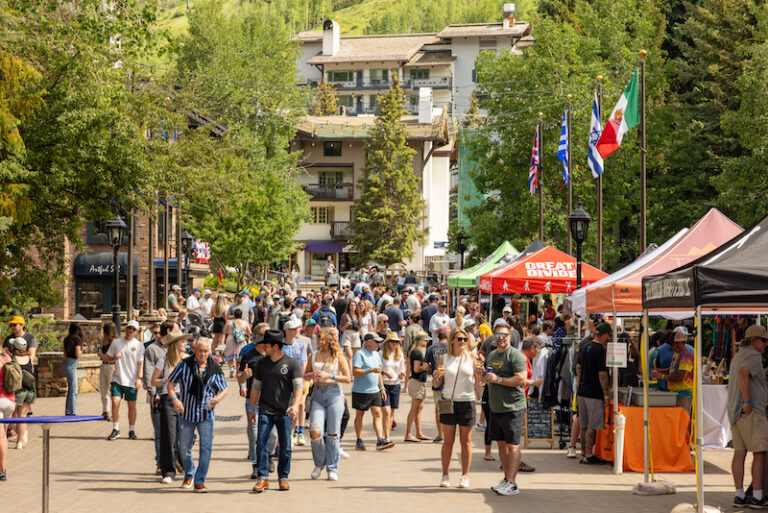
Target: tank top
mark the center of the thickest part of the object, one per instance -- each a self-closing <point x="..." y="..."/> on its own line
<point x="325" y="367"/>
<point x="465" y="387"/>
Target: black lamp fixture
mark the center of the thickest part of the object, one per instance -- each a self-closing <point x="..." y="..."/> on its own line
<point x="187" y="240"/>
<point x="461" y="237"/>
<point x="115" y="229"/>
<point x="579" y="222"/>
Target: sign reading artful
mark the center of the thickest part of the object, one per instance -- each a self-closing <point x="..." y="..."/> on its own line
<point x="104" y="269"/>
<point x="550" y="269"/>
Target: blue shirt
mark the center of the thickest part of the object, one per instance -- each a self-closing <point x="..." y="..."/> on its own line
<point x="296" y="351"/>
<point x="364" y="359"/>
<point x="426" y="315"/>
<point x="664" y="359"/>
<point x="434" y="352"/>
<point x="194" y="411"/>
<point x="395" y="315"/>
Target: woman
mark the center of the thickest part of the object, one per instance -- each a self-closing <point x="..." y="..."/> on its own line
<point x="349" y="327"/>
<point x="562" y="325"/>
<point x="417" y="387"/>
<point x="238" y="332"/>
<point x="176" y="342"/>
<point x="219" y="315"/>
<point x="457" y="370"/>
<point x="25" y="396"/>
<point x="367" y="317"/>
<point x="327" y="367"/>
<point x="6" y="410"/>
<point x="458" y="320"/>
<point x="108" y="334"/>
<point x="484" y="329"/>
<point x="392" y="371"/>
<point x="295" y="271"/>
<point x="73" y="348"/>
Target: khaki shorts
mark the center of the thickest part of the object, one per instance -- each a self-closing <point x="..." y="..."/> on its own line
<point x="750" y="433"/>
<point x="436" y="396"/>
<point x="417" y="389"/>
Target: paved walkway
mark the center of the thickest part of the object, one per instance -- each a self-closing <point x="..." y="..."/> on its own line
<point x="91" y="474"/>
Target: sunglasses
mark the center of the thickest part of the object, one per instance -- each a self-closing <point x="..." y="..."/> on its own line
<point x="462" y="339"/>
<point x="13" y="324"/>
<point x="501" y="335"/>
<point x="155" y="332"/>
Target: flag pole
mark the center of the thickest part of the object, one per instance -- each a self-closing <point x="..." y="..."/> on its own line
<point x="570" y="175"/>
<point x="540" y="178"/>
<point x="600" y="183"/>
<point x="643" y="150"/>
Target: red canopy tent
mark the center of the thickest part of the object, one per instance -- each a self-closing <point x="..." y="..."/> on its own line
<point x="548" y="271"/>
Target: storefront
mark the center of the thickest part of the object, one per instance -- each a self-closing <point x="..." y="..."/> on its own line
<point x="317" y="254"/>
<point x="94" y="276"/>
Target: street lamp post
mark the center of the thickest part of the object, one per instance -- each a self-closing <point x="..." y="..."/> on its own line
<point x="115" y="230"/>
<point x="461" y="246"/>
<point x="579" y="223"/>
<point x="186" y="246"/>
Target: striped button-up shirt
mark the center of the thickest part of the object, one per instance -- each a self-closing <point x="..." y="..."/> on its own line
<point x="194" y="411"/>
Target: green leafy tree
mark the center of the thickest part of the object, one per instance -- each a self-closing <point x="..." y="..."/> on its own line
<point x="324" y="103"/>
<point x="388" y="214"/>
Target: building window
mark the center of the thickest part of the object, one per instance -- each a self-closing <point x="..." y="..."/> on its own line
<point x="321" y="215"/>
<point x="373" y="102"/>
<point x="332" y="149"/>
<point x="419" y="74"/>
<point x="474" y="76"/>
<point x="346" y="101"/>
<point x="330" y="177"/>
<point x="379" y="76"/>
<point x="341" y="76"/>
<point x="487" y="44"/>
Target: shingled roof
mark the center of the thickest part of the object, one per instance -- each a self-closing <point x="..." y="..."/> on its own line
<point x="376" y="48"/>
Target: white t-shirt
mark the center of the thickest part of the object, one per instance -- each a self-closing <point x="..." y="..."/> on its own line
<point x="394" y="367"/>
<point x="161" y="367"/>
<point x="127" y="366"/>
<point x="437" y="320"/>
<point x="192" y="304"/>
<point x="206" y="305"/>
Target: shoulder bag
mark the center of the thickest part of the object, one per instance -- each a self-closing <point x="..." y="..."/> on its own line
<point x="445" y="406"/>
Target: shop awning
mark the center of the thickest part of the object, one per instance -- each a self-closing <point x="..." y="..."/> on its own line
<point x="468" y="277"/>
<point x="100" y="264"/>
<point x="325" y="246"/>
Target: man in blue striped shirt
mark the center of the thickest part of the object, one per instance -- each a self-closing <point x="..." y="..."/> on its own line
<point x="201" y="387"/>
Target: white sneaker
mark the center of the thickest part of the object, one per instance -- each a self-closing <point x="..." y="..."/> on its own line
<point x="294" y="439"/>
<point x="344" y="454"/>
<point x="464" y="482"/>
<point x="300" y="440"/>
<point x="501" y="483"/>
<point x="316" y="473"/>
<point x="333" y="476"/>
<point x="26" y="437"/>
<point x="444" y="482"/>
<point x="571" y="452"/>
<point x="508" y="489"/>
<point x="167" y="480"/>
<point x="19" y="445"/>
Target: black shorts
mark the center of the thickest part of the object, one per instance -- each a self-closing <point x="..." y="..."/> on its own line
<point x="463" y="414"/>
<point x="218" y="325"/>
<point x="363" y="402"/>
<point x="507" y="426"/>
<point x="393" y="396"/>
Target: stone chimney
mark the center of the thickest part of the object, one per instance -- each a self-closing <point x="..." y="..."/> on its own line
<point x="425" y="105"/>
<point x="330" y="37"/>
<point x="509" y="15"/>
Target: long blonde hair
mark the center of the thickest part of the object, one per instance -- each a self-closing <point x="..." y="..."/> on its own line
<point x="420" y="342"/>
<point x="326" y="335"/>
<point x="220" y="308"/>
<point x="173" y="356"/>
<point x="387" y="352"/>
<point x="459" y="317"/>
<point x="452" y="338"/>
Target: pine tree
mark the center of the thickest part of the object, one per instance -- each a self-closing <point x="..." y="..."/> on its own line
<point x="324" y="103"/>
<point x="388" y="214"/>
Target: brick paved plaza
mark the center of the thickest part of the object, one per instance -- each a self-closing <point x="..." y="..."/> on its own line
<point x="90" y="474"/>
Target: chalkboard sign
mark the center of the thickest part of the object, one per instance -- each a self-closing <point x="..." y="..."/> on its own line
<point x="539" y="424"/>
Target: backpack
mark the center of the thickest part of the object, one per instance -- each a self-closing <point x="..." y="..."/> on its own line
<point x="325" y="320"/>
<point x="13" y="376"/>
<point x="282" y="318"/>
<point x="27" y="378"/>
<point x="237" y="333"/>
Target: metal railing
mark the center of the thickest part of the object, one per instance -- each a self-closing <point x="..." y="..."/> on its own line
<point x="340" y="230"/>
<point x="330" y="191"/>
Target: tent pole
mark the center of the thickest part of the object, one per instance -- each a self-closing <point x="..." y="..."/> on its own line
<point x="490" y="307"/>
<point x="618" y="466"/>
<point x="646" y="427"/>
<point x="699" y="408"/>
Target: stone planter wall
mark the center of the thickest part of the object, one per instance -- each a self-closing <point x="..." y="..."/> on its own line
<point x="52" y="381"/>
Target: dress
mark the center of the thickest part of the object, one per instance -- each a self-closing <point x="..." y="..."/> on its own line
<point x="219" y="324"/>
<point x="233" y="345"/>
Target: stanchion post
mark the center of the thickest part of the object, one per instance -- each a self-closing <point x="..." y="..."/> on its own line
<point x="46" y="465"/>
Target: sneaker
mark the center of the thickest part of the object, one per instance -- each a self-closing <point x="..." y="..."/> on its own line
<point x="524" y="467"/>
<point x="316" y="473"/>
<point x="132" y="435"/>
<point x="501" y="483"/>
<point x="114" y="435"/>
<point x="26" y="437"/>
<point x="106" y="416"/>
<point x="333" y="476"/>
<point x="261" y="485"/>
<point x="738" y="501"/>
<point x="445" y="482"/>
<point x="571" y="452"/>
<point x="187" y="484"/>
<point x="231" y="372"/>
<point x="167" y="480"/>
<point x="255" y="472"/>
<point x="284" y="486"/>
<point x="295" y="439"/>
<point x="360" y="446"/>
<point x="508" y="489"/>
<point x="464" y="482"/>
<point x="481" y="426"/>
<point x="300" y="440"/>
<point x="438" y="440"/>
<point x="344" y="454"/>
<point x="19" y="445"/>
<point x="384" y="444"/>
<point x="3" y="476"/>
<point x="757" y="504"/>
<point x="394" y="424"/>
<point x="200" y="488"/>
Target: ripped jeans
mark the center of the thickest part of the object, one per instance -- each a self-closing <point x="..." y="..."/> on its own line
<point x="325" y="418"/>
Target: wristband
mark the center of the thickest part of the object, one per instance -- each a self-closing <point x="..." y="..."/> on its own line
<point x="333" y="377"/>
<point x="242" y="385"/>
<point x="747" y="402"/>
<point x="366" y="371"/>
<point x="174" y="399"/>
<point x="250" y="408"/>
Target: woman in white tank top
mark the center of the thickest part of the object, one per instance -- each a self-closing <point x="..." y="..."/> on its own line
<point x="457" y="368"/>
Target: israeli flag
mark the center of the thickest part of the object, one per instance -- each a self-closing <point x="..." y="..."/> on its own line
<point x="595" y="160"/>
<point x="562" y="148"/>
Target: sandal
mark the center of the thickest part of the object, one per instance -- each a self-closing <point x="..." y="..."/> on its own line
<point x="412" y="440"/>
<point x="424" y="438"/>
<point x="489" y="458"/>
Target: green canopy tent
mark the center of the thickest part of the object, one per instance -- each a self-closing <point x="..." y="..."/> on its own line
<point x="468" y="277"/>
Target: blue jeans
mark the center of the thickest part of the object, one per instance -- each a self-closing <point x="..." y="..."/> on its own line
<point x="70" y="370"/>
<point x="325" y="417"/>
<point x="186" y="439"/>
<point x="283" y="424"/>
<point x="253" y="436"/>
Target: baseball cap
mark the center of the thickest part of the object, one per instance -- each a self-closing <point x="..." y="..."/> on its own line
<point x="175" y="287"/>
<point x="372" y="336"/>
<point x="245" y="291"/>
<point x="756" y="331"/>
<point x="18" y="343"/>
<point x="206" y="292"/>
<point x="681" y="335"/>
<point x="442" y="303"/>
<point x="604" y="328"/>
<point x="196" y="289"/>
<point x="301" y="301"/>
<point x="311" y="322"/>
<point x="17" y="319"/>
<point x="501" y="321"/>
<point x="681" y="329"/>
<point x="507" y="309"/>
<point x="292" y="324"/>
<point x="276" y="296"/>
<point x="133" y="324"/>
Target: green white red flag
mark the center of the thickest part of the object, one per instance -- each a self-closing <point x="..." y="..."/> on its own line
<point x="625" y="116"/>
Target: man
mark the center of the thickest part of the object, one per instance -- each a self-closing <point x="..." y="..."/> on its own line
<point x="591" y="328"/>
<point x="413" y="328"/>
<point x="411" y="278"/>
<point x="174" y="303"/>
<point x="747" y="396"/>
<point x="412" y="303"/>
<point x="249" y="358"/>
<point x="153" y="352"/>
<point x="127" y="353"/>
<point x="593" y="390"/>
<point x="201" y="387"/>
<point x="382" y="325"/>
<point x="206" y="304"/>
<point x="530" y="348"/>
<point x="549" y="312"/>
<point x="339" y="305"/>
<point x="241" y="303"/>
<point x="434" y="352"/>
<point x="259" y="312"/>
<point x="297" y="348"/>
<point x="274" y="311"/>
<point x="395" y="316"/>
<point x="17" y="325"/>
<point x="428" y="311"/>
<point x="506" y="312"/>
<point x="324" y="316"/>
<point x="366" y="295"/>
<point x="368" y="390"/>
<point x="193" y="302"/>
<point x="665" y="354"/>
<point x="506" y="380"/>
<point x="386" y="297"/>
<point x="679" y="375"/>
<point x="278" y="389"/>
<point x="440" y="318"/>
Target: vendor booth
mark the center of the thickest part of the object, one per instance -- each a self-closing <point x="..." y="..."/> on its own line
<point x="467" y="278"/>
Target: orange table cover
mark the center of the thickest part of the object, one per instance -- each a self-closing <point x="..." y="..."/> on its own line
<point x="669" y="440"/>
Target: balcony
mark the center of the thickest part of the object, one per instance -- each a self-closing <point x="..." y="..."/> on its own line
<point x="340" y="230"/>
<point x="434" y="83"/>
<point x="330" y="191"/>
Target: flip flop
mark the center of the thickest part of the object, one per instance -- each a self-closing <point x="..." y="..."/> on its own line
<point x="424" y="438"/>
<point x="414" y="441"/>
<point x="489" y="458"/>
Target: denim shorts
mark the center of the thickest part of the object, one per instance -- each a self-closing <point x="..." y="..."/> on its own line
<point x="393" y="396"/>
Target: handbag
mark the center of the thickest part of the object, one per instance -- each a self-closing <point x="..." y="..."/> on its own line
<point x="445" y="406"/>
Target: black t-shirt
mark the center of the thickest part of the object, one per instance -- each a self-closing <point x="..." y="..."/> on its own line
<point x="251" y="358"/>
<point x="29" y="337"/>
<point x="277" y="383"/>
<point x="592" y="361"/>
<point x="260" y="314"/>
<point x="417" y="356"/>
<point x="340" y="305"/>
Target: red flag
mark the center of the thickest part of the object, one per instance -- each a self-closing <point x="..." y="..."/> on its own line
<point x="221" y="278"/>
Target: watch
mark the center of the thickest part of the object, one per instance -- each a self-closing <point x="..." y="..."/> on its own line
<point x="498" y="379"/>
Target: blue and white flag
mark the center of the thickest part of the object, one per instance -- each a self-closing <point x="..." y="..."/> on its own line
<point x="595" y="160"/>
<point x="562" y="149"/>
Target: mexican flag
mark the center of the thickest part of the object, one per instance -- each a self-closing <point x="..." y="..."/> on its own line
<point x="625" y="116"/>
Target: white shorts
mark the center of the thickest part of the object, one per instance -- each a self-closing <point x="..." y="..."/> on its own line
<point x="351" y="339"/>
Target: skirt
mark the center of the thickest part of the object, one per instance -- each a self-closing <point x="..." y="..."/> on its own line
<point x="232" y="349"/>
<point x="218" y="325"/>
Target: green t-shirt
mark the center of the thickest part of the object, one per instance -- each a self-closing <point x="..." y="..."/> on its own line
<point x="503" y="399"/>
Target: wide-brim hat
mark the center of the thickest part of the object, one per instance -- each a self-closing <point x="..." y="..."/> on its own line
<point x="392" y="335"/>
<point x="175" y="336"/>
<point x="271" y="337"/>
